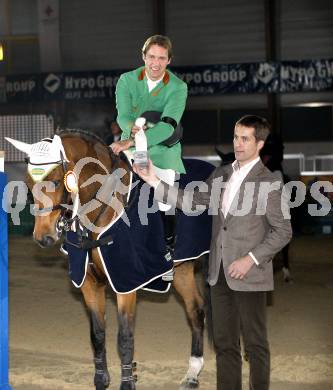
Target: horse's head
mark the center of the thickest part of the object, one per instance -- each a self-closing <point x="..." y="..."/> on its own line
<point x="49" y="196"/>
<point x="65" y="173"/>
<point x="47" y="165"/>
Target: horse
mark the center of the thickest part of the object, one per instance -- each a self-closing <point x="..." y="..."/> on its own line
<point x="50" y="222"/>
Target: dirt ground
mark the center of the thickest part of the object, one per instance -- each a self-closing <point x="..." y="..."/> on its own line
<point x="49" y="335"/>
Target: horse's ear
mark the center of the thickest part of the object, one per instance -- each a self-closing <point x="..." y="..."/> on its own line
<point x="56" y="140"/>
<point x="22" y="146"/>
<point x="58" y="143"/>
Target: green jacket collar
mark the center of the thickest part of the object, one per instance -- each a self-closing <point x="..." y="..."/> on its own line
<point x="165" y="80"/>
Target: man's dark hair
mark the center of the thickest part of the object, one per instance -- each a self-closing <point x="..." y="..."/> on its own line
<point x="159" y="40"/>
<point x="260" y="125"/>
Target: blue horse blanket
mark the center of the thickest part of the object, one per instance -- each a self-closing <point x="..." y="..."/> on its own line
<point x="136" y="258"/>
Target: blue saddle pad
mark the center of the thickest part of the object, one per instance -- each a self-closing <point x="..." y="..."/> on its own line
<point x="136" y="258"/>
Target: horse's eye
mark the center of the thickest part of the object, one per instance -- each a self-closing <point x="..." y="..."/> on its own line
<point x="56" y="183"/>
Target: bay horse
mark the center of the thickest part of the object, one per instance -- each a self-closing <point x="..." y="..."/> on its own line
<point x="48" y="226"/>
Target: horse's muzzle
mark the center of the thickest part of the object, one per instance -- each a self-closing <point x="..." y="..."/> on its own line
<point x="46" y="241"/>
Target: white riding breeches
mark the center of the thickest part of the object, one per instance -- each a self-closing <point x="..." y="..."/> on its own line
<point x="168" y="176"/>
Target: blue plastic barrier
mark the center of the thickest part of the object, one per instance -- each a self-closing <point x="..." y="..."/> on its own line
<point x="3" y="290"/>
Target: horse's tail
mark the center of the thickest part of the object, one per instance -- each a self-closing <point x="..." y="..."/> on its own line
<point x="207" y="304"/>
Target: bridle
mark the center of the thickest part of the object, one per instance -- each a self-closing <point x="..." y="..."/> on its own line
<point x="62" y="205"/>
<point x="66" y="219"/>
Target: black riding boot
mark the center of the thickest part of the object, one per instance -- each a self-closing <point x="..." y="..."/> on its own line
<point x="169" y="224"/>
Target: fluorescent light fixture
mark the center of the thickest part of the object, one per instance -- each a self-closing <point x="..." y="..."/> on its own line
<point x="315" y="104"/>
<point x="1" y="52"/>
<point x="316" y="173"/>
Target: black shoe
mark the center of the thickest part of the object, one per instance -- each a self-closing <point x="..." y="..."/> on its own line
<point x="169" y="224"/>
<point x="168" y="277"/>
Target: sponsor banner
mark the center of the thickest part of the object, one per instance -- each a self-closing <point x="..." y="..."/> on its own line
<point x="22" y="88"/>
<point x="232" y="78"/>
<point x="303" y="76"/>
<point x="80" y="85"/>
<point x="260" y="77"/>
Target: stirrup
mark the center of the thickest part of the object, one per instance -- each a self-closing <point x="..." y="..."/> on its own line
<point x="168" y="277"/>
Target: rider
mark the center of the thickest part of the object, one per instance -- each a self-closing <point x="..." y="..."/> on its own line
<point x="154" y="88"/>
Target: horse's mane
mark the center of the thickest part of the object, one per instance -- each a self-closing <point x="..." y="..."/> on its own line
<point x="91" y="137"/>
<point x="85" y="134"/>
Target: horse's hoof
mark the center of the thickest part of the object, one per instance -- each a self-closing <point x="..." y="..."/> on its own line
<point x="102" y="381"/>
<point x="101" y="386"/>
<point x="127" y="386"/>
<point x="189" y="383"/>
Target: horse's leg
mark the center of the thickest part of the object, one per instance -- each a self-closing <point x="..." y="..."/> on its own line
<point x="126" y="319"/>
<point x="94" y="296"/>
<point x="185" y="284"/>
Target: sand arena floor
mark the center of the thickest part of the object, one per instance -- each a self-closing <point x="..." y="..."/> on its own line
<point x="49" y="335"/>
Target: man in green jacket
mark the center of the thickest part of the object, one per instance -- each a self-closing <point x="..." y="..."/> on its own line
<point x="154" y="88"/>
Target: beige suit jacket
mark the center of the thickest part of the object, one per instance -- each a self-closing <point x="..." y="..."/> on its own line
<point x="255" y="223"/>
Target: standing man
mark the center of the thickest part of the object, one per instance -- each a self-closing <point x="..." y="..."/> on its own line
<point x="153" y="88"/>
<point x="249" y="228"/>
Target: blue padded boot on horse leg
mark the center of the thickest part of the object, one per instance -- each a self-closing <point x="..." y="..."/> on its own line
<point x="94" y="294"/>
<point x="126" y="318"/>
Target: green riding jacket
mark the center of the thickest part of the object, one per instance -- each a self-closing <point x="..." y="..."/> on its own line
<point x="169" y="97"/>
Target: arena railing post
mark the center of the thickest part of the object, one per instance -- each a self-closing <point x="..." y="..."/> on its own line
<point x="4" y="385"/>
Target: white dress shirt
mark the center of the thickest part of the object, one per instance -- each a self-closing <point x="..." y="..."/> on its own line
<point x="233" y="185"/>
<point x="151" y="83"/>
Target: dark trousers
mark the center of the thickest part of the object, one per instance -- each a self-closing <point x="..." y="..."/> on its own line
<point x="233" y="313"/>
